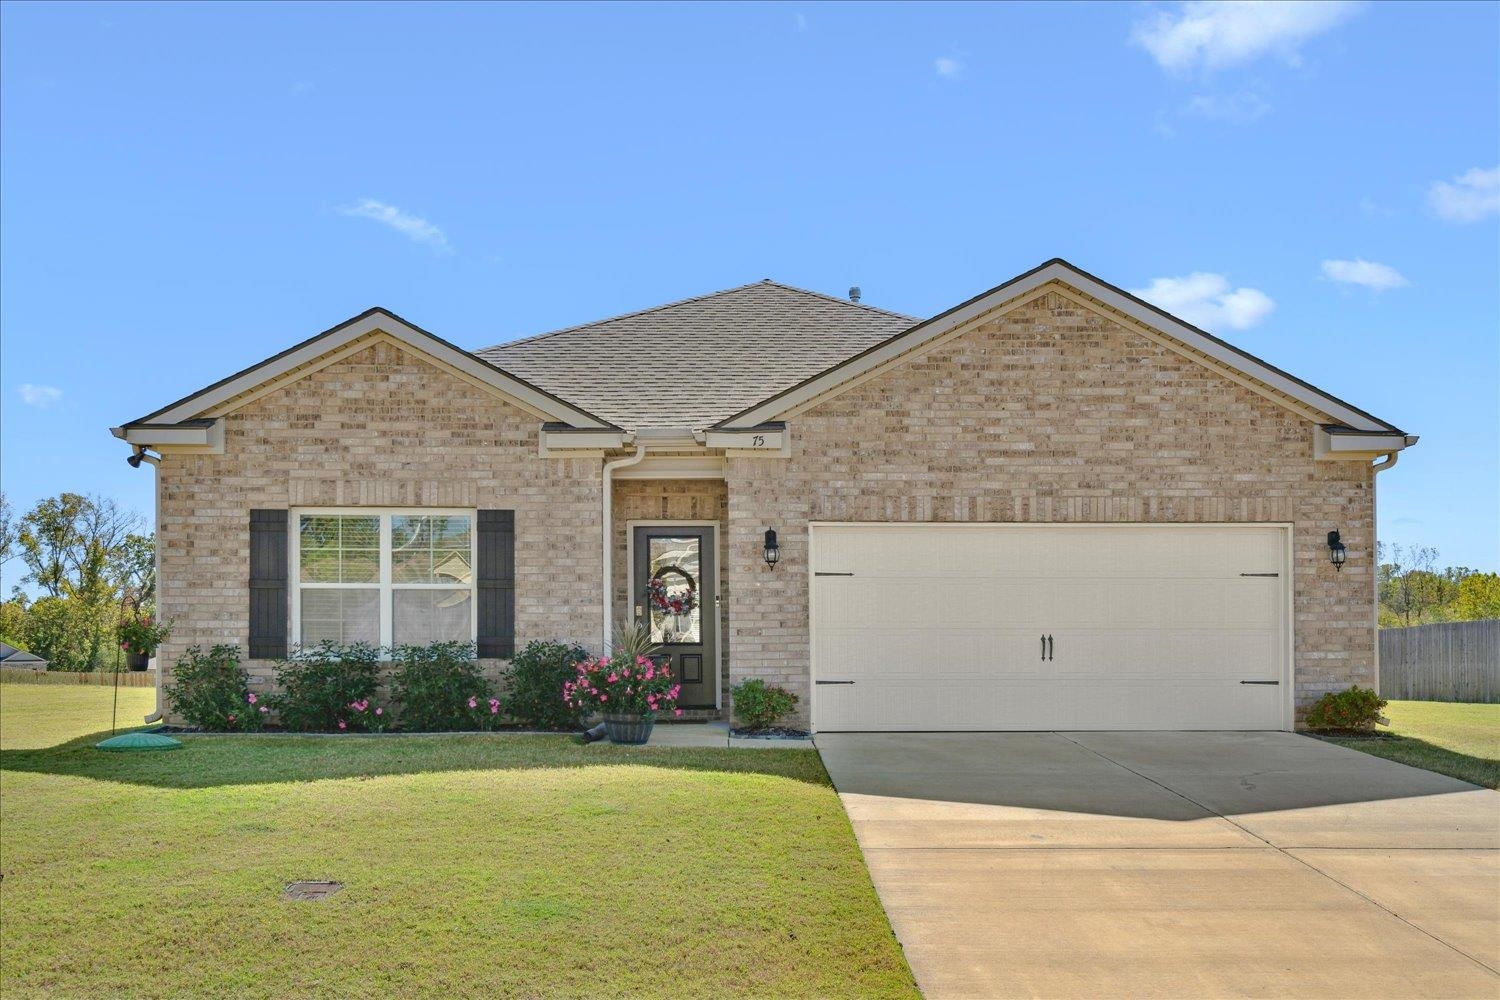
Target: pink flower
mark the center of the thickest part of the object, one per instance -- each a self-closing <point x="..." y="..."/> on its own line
<point x="642" y="660"/>
<point x="613" y="678"/>
<point x="677" y="712"/>
<point x="378" y="711"/>
<point x="343" y="724"/>
<point x="473" y="702"/>
<point x="231" y="718"/>
<point x="604" y="697"/>
<point x="251" y="697"/>
<point x="264" y="710"/>
<point x="494" y="707"/>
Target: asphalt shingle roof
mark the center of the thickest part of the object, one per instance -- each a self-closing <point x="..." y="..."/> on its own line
<point x="695" y="362"/>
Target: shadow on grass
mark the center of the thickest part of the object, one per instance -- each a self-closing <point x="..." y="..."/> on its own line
<point x="1420" y="753"/>
<point x="210" y="761"/>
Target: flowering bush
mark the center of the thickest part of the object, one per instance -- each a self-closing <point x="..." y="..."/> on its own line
<point x="318" y="686"/>
<point x="212" y="691"/>
<point x="365" y="716"/>
<point x="533" y="684"/>
<point x="622" y="685"/>
<point x="1354" y="708"/>
<point x="143" y="636"/>
<point x="440" y="688"/>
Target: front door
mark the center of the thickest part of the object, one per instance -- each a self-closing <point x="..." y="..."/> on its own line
<point x="672" y="595"/>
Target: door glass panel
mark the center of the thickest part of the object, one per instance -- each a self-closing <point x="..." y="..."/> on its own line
<point x="674" y="596"/>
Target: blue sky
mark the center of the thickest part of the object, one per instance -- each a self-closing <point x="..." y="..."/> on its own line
<point x="186" y="190"/>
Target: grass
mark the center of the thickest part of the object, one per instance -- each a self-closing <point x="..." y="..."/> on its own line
<point x="1459" y="740"/>
<point x="499" y="865"/>
<point x="41" y="715"/>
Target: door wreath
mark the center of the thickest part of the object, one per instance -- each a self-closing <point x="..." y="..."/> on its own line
<point x="670" y="604"/>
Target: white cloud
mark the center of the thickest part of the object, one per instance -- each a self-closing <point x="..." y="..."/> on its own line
<point x="1212" y="35"/>
<point x="40" y="396"/>
<point x="1207" y="301"/>
<point x="948" y="66"/>
<point x="413" y="227"/>
<point x="1376" y="277"/>
<point x="1469" y="197"/>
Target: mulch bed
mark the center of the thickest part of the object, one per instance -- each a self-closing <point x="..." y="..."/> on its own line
<point x="771" y="733"/>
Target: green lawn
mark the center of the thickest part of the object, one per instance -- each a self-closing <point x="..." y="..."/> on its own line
<point x="43" y="715"/>
<point x="475" y="866"/>
<point x="1454" y="739"/>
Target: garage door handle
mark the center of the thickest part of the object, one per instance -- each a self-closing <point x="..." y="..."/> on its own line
<point x="833" y="682"/>
<point x="1260" y="682"/>
<point x="1051" y="647"/>
<point x="1044" y="647"/>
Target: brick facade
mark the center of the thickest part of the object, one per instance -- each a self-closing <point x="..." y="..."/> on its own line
<point x="383" y="427"/>
<point x="1053" y="412"/>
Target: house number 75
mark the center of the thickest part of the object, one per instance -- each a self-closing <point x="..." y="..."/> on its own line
<point x="757" y="440"/>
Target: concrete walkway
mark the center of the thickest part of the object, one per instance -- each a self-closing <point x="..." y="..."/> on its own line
<point x="1173" y="864"/>
<point x="714" y="734"/>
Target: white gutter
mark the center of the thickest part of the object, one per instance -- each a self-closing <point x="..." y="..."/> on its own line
<point x="1385" y="463"/>
<point x="156" y="715"/>
<point x="609" y="547"/>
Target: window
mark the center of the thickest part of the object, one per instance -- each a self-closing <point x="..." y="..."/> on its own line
<point x="388" y="578"/>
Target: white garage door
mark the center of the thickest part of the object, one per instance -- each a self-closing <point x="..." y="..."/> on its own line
<point x="984" y="627"/>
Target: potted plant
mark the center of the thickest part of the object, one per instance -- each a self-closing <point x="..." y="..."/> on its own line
<point x="627" y="687"/>
<point x="140" y="637"/>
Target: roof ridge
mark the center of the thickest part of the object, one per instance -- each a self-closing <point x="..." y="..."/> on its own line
<point x="625" y="315"/>
<point x="690" y="299"/>
<point x="843" y="302"/>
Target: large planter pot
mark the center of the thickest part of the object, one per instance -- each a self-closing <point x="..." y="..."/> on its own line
<point x="138" y="661"/>
<point x="631" y="730"/>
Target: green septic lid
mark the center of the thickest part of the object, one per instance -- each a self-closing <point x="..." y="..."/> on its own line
<point x="139" y="741"/>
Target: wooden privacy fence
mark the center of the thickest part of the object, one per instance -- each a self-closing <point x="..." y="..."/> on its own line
<point x="104" y="678"/>
<point x="1454" y="661"/>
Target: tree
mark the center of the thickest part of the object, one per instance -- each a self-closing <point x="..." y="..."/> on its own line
<point x="1408" y="586"/>
<point x="84" y="552"/>
<point x="1478" y="597"/>
<point x="136" y="567"/>
<point x="8" y="538"/>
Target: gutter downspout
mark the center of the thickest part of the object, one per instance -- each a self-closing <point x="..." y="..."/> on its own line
<point x="156" y="715"/>
<point x="1385" y="463"/>
<point x="608" y="540"/>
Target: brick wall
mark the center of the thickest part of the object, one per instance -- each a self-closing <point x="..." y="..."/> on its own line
<point x="1052" y="412"/>
<point x="383" y="427"/>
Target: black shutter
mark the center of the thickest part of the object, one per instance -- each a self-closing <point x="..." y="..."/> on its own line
<point x="268" y="603"/>
<point x="496" y="577"/>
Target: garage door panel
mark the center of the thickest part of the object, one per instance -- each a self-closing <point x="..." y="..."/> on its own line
<point x="1154" y="627"/>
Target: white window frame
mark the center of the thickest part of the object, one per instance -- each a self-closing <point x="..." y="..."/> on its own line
<point x="385" y="585"/>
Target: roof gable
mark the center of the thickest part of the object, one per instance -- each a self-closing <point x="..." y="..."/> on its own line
<point x="694" y="362"/>
<point x="306" y="357"/>
<point x="1190" y="340"/>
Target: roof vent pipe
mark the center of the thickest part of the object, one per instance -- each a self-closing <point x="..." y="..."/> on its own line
<point x="854" y="293"/>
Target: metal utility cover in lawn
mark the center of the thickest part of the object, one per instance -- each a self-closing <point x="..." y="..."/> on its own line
<point x="139" y="741"/>
<point x="311" y="890"/>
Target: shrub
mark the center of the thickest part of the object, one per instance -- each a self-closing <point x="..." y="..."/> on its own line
<point x="440" y="688"/>
<point x="758" y="704"/>
<point x="212" y="691"/>
<point x="1356" y="708"/>
<point x="319" y="686"/>
<point x="534" y="685"/>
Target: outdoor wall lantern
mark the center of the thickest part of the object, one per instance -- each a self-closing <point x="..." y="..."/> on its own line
<point x="773" y="548"/>
<point x="1336" y="553"/>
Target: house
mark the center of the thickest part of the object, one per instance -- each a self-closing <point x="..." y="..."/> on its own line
<point x="12" y="658"/>
<point x="1053" y="506"/>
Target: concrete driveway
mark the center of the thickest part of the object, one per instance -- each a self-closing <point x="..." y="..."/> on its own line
<point x="1173" y="864"/>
